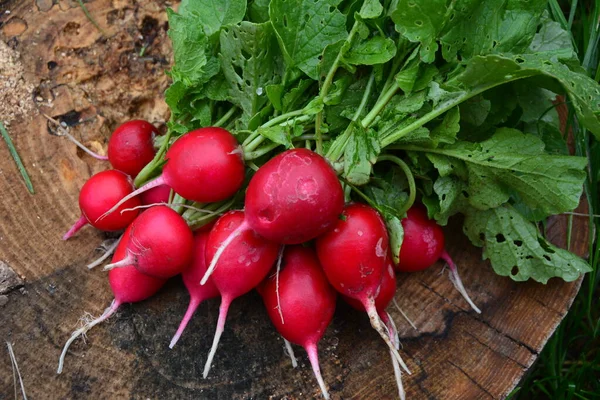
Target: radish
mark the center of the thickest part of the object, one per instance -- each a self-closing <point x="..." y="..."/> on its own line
<point x="423" y="245"/>
<point x="301" y="303"/>
<point x="101" y="192"/>
<point x="383" y="299"/>
<point x="205" y="165"/>
<point x="127" y="284"/>
<point x="161" y="244"/>
<point x="191" y="278"/>
<point x="353" y="256"/>
<point x="131" y="146"/>
<point x="294" y="197"/>
<point x="156" y="195"/>
<point x="243" y="264"/>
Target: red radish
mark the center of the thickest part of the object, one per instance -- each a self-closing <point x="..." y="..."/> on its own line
<point x="423" y="245"/>
<point x="205" y="165"/>
<point x="243" y="264"/>
<point x="301" y="303"/>
<point x="101" y="192"/>
<point x="294" y="197"/>
<point x="127" y="284"/>
<point x="156" y="195"/>
<point x="131" y="146"/>
<point x="353" y="256"/>
<point x="161" y="244"/>
<point x="383" y="299"/>
<point x="191" y="278"/>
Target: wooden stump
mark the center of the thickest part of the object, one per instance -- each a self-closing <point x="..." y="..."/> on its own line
<point x="93" y="81"/>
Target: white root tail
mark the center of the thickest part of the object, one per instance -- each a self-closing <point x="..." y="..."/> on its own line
<point x="376" y="324"/>
<point x="457" y="282"/>
<point x="127" y="261"/>
<point x="65" y="133"/>
<point x="279" y="258"/>
<point x="223" y="309"/>
<point x="213" y="263"/>
<point x="152" y="184"/>
<point x="16" y="372"/>
<point x="106" y="254"/>
<point x="393" y="331"/>
<point x="290" y="351"/>
<point x="313" y="356"/>
<point x="404" y="315"/>
<point x="81" y="331"/>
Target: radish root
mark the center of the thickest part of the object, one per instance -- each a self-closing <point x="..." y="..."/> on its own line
<point x="152" y="184"/>
<point x="194" y="303"/>
<point x="65" y="133"/>
<point x="391" y="325"/>
<point x="106" y="254"/>
<point x="223" y="309"/>
<point x="404" y="315"/>
<point x="290" y="351"/>
<point x="279" y="258"/>
<point x="129" y="260"/>
<point x="81" y="222"/>
<point x="457" y="282"/>
<point x="213" y="263"/>
<point x="313" y="356"/>
<point x="16" y="372"/>
<point x="81" y="331"/>
<point x="376" y="324"/>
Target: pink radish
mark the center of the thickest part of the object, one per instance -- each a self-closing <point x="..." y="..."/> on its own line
<point x="131" y="146"/>
<point x="294" y="197"/>
<point x="243" y="264"/>
<point x="423" y="245"/>
<point x="353" y="255"/>
<point x="383" y="299"/>
<point x="101" y="192"/>
<point x="301" y="303"/>
<point x="205" y="165"/>
<point x="161" y="244"/>
<point x="127" y="284"/>
<point x="156" y="195"/>
<point x="191" y="278"/>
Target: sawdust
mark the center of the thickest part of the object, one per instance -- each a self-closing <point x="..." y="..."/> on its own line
<point x="15" y="92"/>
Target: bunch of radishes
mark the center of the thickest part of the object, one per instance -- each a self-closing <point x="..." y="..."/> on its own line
<point x="296" y="240"/>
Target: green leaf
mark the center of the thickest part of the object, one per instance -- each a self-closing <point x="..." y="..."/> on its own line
<point x="371" y="9"/>
<point x="447" y="130"/>
<point x="258" y="11"/>
<point x="452" y="200"/>
<point x="516" y="249"/>
<point x="360" y="155"/>
<point x="189" y="47"/>
<point x="278" y="134"/>
<point x="376" y="50"/>
<point x="475" y="110"/>
<point x="421" y="21"/>
<point x="396" y="234"/>
<point x="304" y="28"/>
<point x="212" y="15"/>
<point x="551" y="37"/>
<point x="250" y="62"/>
<point x="513" y="161"/>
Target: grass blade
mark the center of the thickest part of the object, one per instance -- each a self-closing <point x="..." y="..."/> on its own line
<point x="15" y="156"/>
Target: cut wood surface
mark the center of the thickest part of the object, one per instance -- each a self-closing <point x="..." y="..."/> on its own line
<point x="94" y="80"/>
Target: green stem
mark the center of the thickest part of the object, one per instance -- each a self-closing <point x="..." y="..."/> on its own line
<point x="253" y="155"/>
<point x="282" y="118"/>
<point x="149" y="170"/>
<point x="361" y="194"/>
<point x="381" y="103"/>
<point x="318" y="134"/>
<point x="254" y="143"/>
<point x="412" y="190"/>
<point x="225" y="117"/>
<point x="176" y="203"/>
<point x="365" y="98"/>
<point x="15" y="156"/>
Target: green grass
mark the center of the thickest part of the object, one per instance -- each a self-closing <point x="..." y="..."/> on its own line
<point x="569" y="366"/>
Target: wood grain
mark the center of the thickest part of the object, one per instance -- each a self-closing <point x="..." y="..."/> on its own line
<point x="97" y="82"/>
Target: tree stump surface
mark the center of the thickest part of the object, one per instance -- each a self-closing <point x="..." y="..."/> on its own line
<point x="93" y="81"/>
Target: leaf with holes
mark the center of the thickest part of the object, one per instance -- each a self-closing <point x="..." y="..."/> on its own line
<point x="304" y="28"/>
<point x="376" y="50"/>
<point x="249" y="59"/>
<point x="516" y="249"/>
<point x="189" y="47"/>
